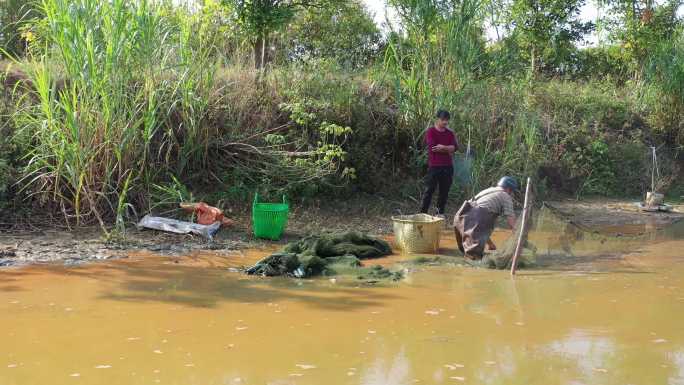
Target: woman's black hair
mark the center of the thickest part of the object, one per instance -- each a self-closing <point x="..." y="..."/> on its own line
<point x="443" y="114"/>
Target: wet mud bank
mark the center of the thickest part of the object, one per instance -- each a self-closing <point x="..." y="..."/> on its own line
<point x="610" y="219"/>
<point x="26" y="244"/>
<point x="78" y="247"/>
<point x="608" y="214"/>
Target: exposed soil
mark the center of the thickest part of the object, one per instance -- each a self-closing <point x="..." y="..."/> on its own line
<point x="607" y="213"/>
<point x="36" y="246"/>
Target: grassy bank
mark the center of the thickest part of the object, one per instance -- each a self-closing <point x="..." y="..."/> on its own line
<point x="101" y="127"/>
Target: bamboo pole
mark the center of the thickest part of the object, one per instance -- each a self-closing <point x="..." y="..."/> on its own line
<point x="523" y="225"/>
<point x="653" y="170"/>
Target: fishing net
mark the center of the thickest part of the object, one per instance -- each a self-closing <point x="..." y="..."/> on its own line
<point x="463" y="164"/>
<point x="554" y="239"/>
<point x="463" y="168"/>
<point x="339" y="244"/>
<point x="502" y="257"/>
<point x="324" y="254"/>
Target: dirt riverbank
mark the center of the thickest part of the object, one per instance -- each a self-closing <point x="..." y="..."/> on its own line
<point x="20" y="247"/>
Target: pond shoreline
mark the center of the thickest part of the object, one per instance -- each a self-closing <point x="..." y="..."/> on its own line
<point x="84" y="245"/>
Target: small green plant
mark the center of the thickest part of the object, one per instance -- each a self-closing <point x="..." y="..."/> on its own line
<point x="169" y="196"/>
<point x="326" y="153"/>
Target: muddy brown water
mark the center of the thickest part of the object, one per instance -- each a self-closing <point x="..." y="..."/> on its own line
<point x="161" y="320"/>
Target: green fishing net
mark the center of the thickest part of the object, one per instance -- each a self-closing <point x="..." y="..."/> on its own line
<point x="558" y="240"/>
<point x="502" y="257"/>
<point x="324" y="254"/>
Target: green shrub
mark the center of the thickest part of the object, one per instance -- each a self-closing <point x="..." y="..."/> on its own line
<point x="591" y="161"/>
<point x="631" y="171"/>
<point x="603" y="62"/>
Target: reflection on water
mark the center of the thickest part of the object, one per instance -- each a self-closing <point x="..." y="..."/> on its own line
<point x="395" y="369"/>
<point x="590" y="353"/>
<point x="150" y="321"/>
<point x="678" y="362"/>
<point x="562" y="245"/>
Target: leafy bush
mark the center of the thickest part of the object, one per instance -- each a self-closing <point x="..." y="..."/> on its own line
<point x="373" y="151"/>
<point x="343" y="32"/>
<point x="600" y="63"/>
<point x="592" y="162"/>
<point x="630" y="163"/>
<point x="593" y="133"/>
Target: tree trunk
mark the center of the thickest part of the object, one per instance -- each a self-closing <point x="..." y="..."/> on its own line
<point x="258" y="52"/>
<point x="263" y="51"/>
<point x="533" y="61"/>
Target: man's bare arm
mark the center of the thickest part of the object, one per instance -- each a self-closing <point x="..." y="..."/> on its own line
<point x="511" y="222"/>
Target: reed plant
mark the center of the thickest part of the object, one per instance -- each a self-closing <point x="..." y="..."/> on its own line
<point x="121" y="92"/>
<point x="132" y="105"/>
<point x="436" y="61"/>
<point x="665" y="89"/>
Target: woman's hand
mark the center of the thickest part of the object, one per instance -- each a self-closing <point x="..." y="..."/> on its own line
<point x="438" y="148"/>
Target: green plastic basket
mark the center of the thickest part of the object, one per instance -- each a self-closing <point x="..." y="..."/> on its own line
<point x="269" y="219"/>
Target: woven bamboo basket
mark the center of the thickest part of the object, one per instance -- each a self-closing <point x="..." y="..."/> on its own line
<point x="417" y="233"/>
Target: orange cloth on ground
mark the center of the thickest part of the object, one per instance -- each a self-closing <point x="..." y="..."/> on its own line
<point x="206" y="215"/>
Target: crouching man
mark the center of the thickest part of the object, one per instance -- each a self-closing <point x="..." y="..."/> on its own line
<point x="475" y="220"/>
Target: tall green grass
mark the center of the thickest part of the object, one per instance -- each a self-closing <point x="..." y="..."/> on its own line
<point x="133" y="95"/>
<point x="665" y="89"/>
<point x="122" y="97"/>
<point x="133" y="107"/>
<point x="436" y="61"/>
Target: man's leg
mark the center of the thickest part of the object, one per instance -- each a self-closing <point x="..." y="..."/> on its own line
<point x="431" y="182"/>
<point x="459" y="239"/>
<point x="446" y="177"/>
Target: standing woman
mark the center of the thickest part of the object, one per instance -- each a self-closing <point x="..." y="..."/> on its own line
<point x="441" y="144"/>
